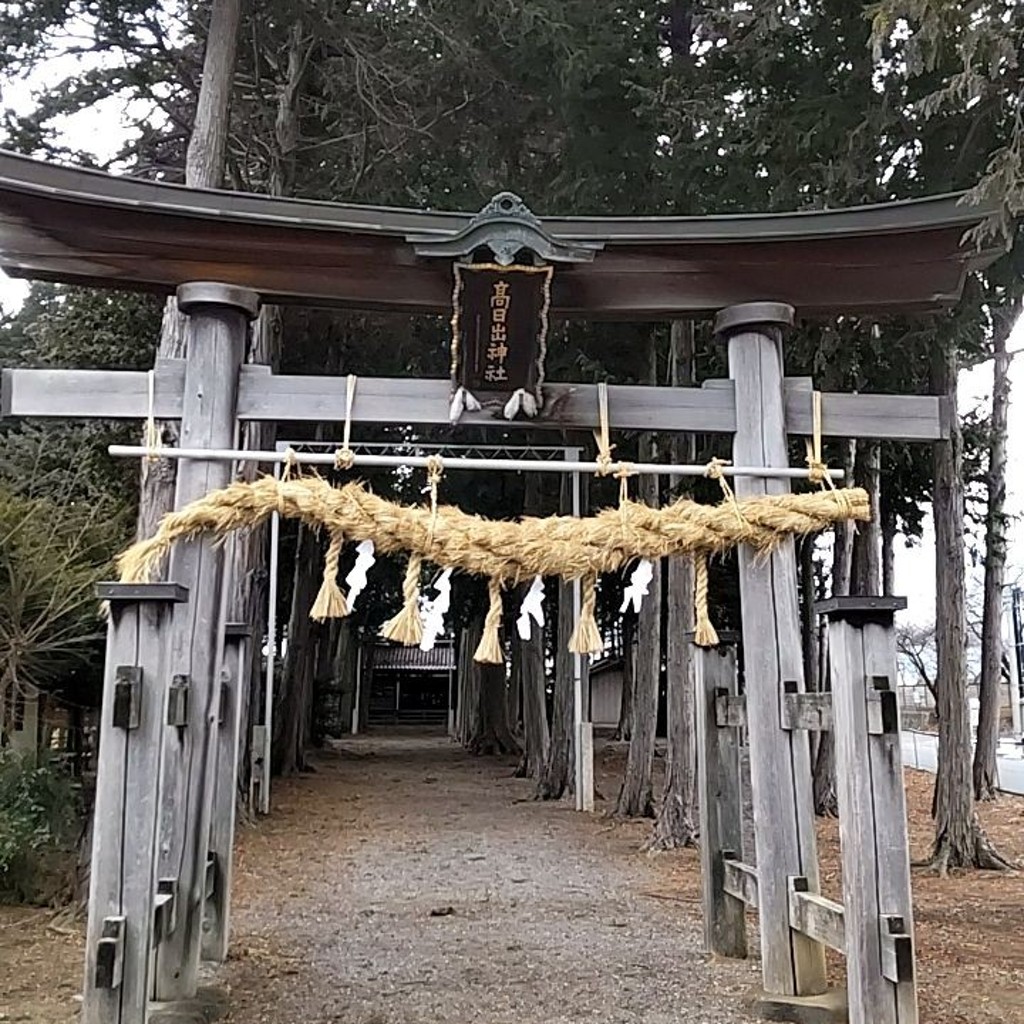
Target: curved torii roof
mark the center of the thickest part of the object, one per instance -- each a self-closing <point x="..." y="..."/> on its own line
<point x="80" y="226"/>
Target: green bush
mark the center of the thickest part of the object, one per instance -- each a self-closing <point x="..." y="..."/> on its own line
<point x="40" y="822"/>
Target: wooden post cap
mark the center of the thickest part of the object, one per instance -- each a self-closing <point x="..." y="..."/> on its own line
<point x="193" y="295"/>
<point x="123" y="593"/>
<point x="747" y="315"/>
<point x="726" y="637"/>
<point x="860" y="609"/>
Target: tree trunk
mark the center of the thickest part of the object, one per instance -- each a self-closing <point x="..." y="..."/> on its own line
<point x="492" y="734"/>
<point x="959" y="840"/>
<point x="556" y="777"/>
<point x="624" y="728"/>
<point x="249" y="559"/>
<point x="469" y="681"/>
<point x="888" y="544"/>
<point x="204" y="168"/>
<point x="636" y="798"/>
<point x="248" y="554"/>
<point x="676" y="823"/>
<point x="489" y="727"/>
<point x="514" y="689"/>
<point x="533" y="685"/>
<point x="867" y="538"/>
<point x="292" y="717"/>
<point x="990" y="683"/>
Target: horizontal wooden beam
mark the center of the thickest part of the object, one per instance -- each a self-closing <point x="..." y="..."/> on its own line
<point x="125" y="394"/>
<point x="740" y="880"/>
<point x="816" y="916"/>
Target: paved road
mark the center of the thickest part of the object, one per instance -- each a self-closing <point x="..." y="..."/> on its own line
<point x="920" y="750"/>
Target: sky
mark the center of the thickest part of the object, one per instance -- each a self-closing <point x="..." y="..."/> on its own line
<point x="103" y="129"/>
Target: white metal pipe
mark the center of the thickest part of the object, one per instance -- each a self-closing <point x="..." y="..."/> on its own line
<point x="421" y="462"/>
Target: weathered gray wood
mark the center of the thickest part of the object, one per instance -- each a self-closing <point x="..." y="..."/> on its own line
<point x="904" y="417"/>
<point x="740" y="882"/>
<point x="217" y="334"/>
<point x="110" y="394"/>
<point x="891" y="839"/>
<point x="780" y="770"/>
<point x="872" y="824"/>
<point x="265" y="396"/>
<point x="731" y="711"/>
<point x="235" y="677"/>
<point x="719" y="800"/>
<point x="811" y="711"/>
<point x="816" y="916"/>
<point x="124" y="848"/>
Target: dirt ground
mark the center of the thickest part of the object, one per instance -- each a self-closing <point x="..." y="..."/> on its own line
<point x="405" y="881"/>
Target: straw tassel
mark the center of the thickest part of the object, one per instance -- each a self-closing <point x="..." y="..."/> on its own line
<point x="704" y="634"/>
<point x="330" y="601"/>
<point x="586" y="637"/>
<point x="489" y="651"/>
<point x="406" y="627"/>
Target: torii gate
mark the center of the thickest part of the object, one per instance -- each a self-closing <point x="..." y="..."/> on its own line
<point x="165" y="804"/>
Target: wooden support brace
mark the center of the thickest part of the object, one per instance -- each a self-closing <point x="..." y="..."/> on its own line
<point x="897" y="949"/>
<point x="816" y="916"/>
<point x="872" y="811"/>
<point x="235" y="679"/>
<point x="730" y="710"/>
<point x="720" y="798"/>
<point x="127" y="712"/>
<point x="110" y="953"/>
<point x="163" y="910"/>
<point x="122" y="882"/>
<point x="740" y="880"/>
<point x="177" y="702"/>
<point x="811" y="711"/>
<point x="212" y="875"/>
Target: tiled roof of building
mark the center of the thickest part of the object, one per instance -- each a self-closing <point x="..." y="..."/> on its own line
<point x="397" y="658"/>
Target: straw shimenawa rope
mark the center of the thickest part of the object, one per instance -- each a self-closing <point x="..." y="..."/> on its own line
<point x="704" y="634"/>
<point x="407" y="627"/>
<point x="504" y="552"/>
<point x="586" y="637"/>
<point x="330" y="602"/>
<point x="489" y="651"/>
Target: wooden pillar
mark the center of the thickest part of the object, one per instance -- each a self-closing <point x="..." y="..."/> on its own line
<point x="235" y="676"/>
<point x="878" y="913"/>
<point x="780" y="767"/>
<point x="720" y="798"/>
<point x="122" y="883"/>
<point x="218" y="322"/>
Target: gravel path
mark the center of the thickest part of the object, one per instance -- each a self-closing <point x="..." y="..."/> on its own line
<point x="407" y="882"/>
